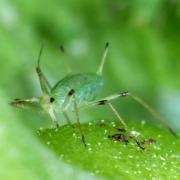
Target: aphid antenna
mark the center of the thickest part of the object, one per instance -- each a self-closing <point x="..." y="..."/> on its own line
<point x="44" y="83"/>
<point x="103" y="60"/>
<point x="66" y="59"/>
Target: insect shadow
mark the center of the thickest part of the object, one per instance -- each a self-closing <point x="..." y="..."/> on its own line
<point x="76" y="91"/>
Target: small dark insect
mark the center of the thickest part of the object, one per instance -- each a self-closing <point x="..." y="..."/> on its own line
<point x="77" y="91"/>
<point x="119" y="137"/>
<point x="124" y="138"/>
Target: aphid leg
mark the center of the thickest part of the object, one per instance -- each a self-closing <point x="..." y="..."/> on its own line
<point x="72" y="93"/>
<point x="64" y="106"/>
<point x="67" y="118"/>
<point x="118" y="116"/>
<point x="140" y="101"/>
<point x="153" y="112"/>
<point x="53" y="117"/>
<point x="107" y="101"/>
<point x="66" y="59"/>
<point x="66" y="101"/>
<point x="45" y="85"/>
<point x="101" y="66"/>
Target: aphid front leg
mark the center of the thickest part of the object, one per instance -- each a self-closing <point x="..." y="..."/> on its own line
<point x="72" y="93"/>
<point x="53" y="117"/>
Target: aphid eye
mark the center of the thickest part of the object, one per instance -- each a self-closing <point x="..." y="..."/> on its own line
<point x="51" y="99"/>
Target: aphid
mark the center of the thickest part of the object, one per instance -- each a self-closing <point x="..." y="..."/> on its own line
<point x="76" y="91"/>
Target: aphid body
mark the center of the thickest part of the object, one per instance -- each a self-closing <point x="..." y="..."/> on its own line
<point x="87" y="87"/>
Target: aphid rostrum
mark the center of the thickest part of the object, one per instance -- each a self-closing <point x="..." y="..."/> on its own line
<point x="76" y="91"/>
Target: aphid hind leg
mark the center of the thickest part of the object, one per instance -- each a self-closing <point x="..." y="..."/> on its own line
<point x="107" y="101"/>
<point x="115" y="112"/>
<point x="72" y="93"/>
<point x="45" y="85"/>
<point x="141" y="102"/>
<point x="153" y="112"/>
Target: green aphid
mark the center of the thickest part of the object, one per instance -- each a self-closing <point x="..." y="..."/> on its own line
<point x="76" y="91"/>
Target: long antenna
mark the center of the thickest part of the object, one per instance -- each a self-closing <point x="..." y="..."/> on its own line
<point x="153" y="112"/>
<point x="65" y="58"/>
<point x="45" y="85"/>
<point x="100" y="68"/>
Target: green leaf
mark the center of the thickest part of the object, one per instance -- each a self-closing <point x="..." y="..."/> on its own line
<point x="113" y="159"/>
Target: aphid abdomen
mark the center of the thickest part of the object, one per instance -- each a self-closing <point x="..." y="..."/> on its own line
<point x="86" y="85"/>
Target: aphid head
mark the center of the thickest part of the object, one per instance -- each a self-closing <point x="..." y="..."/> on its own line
<point x="36" y="103"/>
<point x="46" y="101"/>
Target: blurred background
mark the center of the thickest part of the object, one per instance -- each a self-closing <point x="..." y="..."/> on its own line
<point x="144" y="56"/>
<point x="144" y="53"/>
